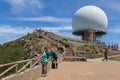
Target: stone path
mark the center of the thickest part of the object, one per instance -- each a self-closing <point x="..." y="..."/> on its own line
<point x="90" y="70"/>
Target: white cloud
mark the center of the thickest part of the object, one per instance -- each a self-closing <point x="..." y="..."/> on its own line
<point x="7" y="29"/>
<point x="66" y="31"/>
<point x="111" y="5"/>
<point x="23" y="6"/>
<point x="9" y="33"/>
<point x="112" y="18"/>
<point x="116" y="5"/>
<point x="115" y="30"/>
<point x="57" y="28"/>
<point x="45" y="19"/>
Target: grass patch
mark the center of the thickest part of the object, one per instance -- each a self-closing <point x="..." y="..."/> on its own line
<point x="115" y="58"/>
<point x="94" y="56"/>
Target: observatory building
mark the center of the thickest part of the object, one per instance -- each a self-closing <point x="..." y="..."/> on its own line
<point x="90" y="22"/>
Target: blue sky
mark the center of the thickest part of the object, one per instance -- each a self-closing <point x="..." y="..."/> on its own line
<point x="18" y="17"/>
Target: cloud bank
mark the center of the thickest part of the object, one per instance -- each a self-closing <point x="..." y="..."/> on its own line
<point x="9" y="32"/>
<point x="44" y="19"/>
<point x="23" y="6"/>
<point x="114" y="28"/>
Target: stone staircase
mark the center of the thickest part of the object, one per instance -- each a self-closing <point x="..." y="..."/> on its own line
<point x="52" y="38"/>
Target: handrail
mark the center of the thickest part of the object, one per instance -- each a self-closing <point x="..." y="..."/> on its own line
<point x="72" y="57"/>
<point x="32" y="62"/>
<point x="23" y="67"/>
<point x="8" y="70"/>
<point x="7" y="64"/>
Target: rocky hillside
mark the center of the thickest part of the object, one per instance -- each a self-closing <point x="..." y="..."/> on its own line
<point x="29" y="46"/>
<point x="32" y="44"/>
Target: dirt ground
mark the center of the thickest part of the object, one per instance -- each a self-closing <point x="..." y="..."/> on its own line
<point x="90" y="70"/>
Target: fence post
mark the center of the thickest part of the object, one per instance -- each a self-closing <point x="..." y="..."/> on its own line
<point x="16" y="69"/>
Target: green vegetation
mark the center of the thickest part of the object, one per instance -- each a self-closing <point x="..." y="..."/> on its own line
<point x="115" y="58"/>
<point x="95" y="56"/>
<point x="14" y="51"/>
<point x="64" y="39"/>
<point x="91" y="51"/>
<point x="91" y="48"/>
<point x="11" y="52"/>
<point x="60" y="49"/>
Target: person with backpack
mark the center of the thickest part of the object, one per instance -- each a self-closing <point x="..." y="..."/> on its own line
<point x="55" y="56"/>
<point x="45" y="59"/>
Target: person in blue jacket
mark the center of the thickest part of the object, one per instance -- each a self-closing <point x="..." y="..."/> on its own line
<point x="55" y="56"/>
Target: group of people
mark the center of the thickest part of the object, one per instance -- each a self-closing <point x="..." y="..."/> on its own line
<point x="53" y="55"/>
<point x="47" y="54"/>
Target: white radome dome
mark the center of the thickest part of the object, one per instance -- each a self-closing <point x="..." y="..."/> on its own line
<point x="89" y="18"/>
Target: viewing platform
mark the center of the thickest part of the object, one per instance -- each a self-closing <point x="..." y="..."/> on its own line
<point x="90" y="70"/>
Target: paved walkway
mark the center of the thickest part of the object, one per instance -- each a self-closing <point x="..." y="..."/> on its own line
<point x="90" y="70"/>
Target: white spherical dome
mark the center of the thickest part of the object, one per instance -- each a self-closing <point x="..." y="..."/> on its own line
<point x="89" y="18"/>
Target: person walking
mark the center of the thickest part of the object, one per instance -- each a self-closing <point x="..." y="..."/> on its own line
<point x="105" y="55"/>
<point x="45" y="59"/>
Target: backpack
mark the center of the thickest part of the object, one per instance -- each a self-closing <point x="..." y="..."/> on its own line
<point x="48" y="55"/>
<point x="54" y="54"/>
